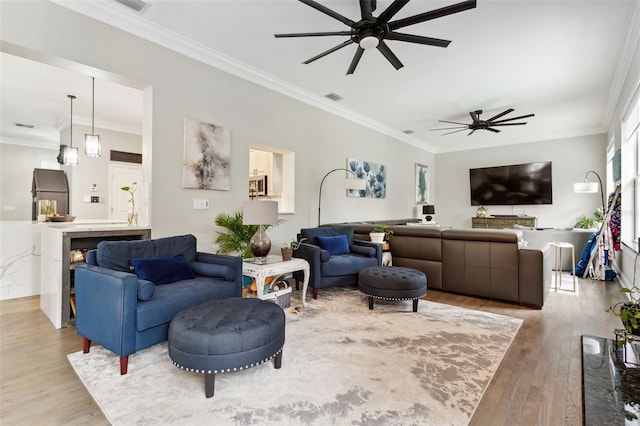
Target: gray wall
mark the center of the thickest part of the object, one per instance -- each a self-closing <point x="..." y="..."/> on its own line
<point x="571" y="158"/>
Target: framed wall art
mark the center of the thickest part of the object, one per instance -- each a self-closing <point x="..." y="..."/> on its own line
<point x="375" y="176"/>
<point x="207" y="156"/>
<point x="422" y="184"/>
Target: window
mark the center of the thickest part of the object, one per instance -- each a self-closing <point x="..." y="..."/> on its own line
<point x="630" y="176"/>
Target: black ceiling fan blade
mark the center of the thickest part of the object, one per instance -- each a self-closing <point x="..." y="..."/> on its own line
<point x="325" y="53"/>
<point x="366" y="9"/>
<point x="355" y="60"/>
<point x="492" y="130"/>
<point x="449" y="128"/>
<point x="452" y="122"/>
<point x="471" y="132"/>
<point x="474" y="116"/>
<point x="411" y="38"/>
<point x="427" y="16"/>
<point x="390" y="11"/>
<point x="327" y="33"/>
<point x="501" y="114"/>
<point x="513" y="118"/>
<point x="387" y="53"/>
<point x="507" y="124"/>
<point x="327" y="11"/>
<point x="455" y="131"/>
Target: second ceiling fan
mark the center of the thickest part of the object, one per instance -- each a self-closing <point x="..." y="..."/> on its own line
<point x="488" y="124"/>
<point x="371" y="32"/>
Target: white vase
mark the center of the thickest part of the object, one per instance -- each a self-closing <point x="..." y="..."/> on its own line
<point x="132" y="219"/>
<point x="377" y="237"/>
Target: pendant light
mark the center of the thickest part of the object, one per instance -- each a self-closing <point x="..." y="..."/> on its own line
<point x="68" y="154"/>
<point x="92" y="145"/>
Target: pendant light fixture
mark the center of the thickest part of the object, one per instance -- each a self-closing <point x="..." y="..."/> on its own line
<point x="68" y="154"/>
<point x="92" y="145"/>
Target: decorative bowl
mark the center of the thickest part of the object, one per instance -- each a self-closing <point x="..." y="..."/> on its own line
<point x="65" y="218"/>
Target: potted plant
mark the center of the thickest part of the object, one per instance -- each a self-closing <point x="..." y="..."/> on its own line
<point x="132" y="216"/>
<point x="380" y="234"/>
<point x="287" y="249"/>
<point x="481" y="211"/>
<point x="236" y="239"/>
<point x="584" y="222"/>
<point x="629" y="313"/>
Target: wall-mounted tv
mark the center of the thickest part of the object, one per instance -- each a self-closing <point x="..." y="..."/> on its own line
<point x="511" y="185"/>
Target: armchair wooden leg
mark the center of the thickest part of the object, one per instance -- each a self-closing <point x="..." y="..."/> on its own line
<point x="86" y="345"/>
<point x="124" y="363"/>
<point x="315" y="293"/>
<point x="297" y="285"/>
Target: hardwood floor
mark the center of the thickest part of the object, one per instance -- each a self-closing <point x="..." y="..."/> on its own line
<point x="538" y="382"/>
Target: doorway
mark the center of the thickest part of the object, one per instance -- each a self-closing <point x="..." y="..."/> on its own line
<point x="123" y="175"/>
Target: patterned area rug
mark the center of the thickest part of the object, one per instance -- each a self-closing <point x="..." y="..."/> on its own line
<point x="343" y="364"/>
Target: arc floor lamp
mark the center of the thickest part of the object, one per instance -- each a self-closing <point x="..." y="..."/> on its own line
<point x="349" y="184"/>
<point x="586" y="187"/>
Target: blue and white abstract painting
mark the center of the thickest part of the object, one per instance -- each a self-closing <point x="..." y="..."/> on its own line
<point x="375" y="176"/>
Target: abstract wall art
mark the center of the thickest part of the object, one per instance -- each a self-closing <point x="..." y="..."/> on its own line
<point x="422" y="184"/>
<point x="207" y="156"/>
<point x="375" y="176"/>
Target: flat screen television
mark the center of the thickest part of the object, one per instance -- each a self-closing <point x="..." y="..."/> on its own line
<point x="511" y="185"/>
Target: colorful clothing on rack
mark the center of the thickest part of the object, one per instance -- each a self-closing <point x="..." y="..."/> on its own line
<point x="614" y="221"/>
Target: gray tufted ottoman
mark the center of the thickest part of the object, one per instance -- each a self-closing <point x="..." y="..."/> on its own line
<point x="225" y="335"/>
<point x="392" y="283"/>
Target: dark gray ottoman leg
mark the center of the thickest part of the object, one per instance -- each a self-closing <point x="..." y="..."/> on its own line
<point x="226" y="335"/>
<point x="392" y="283"/>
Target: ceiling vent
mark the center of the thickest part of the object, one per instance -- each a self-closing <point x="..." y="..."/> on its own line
<point x="334" y="97"/>
<point x="26" y="126"/>
<point x="408" y="132"/>
<point x="136" y="5"/>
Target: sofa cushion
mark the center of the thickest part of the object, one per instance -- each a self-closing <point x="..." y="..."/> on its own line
<point x="363" y="250"/>
<point x="312" y="234"/>
<point x="334" y="245"/>
<point x="162" y="270"/>
<point x="146" y="290"/>
<point x="213" y="270"/>
<point x="346" y="264"/>
<point x="116" y="254"/>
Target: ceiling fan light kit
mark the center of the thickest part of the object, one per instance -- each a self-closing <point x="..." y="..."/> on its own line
<point x="488" y="124"/>
<point x="371" y="32"/>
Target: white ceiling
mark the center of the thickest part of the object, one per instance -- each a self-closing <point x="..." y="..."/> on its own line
<point x="562" y="60"/>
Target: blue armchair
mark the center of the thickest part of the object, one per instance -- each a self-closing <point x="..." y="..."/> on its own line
<point x="128" y="292"/>
<point x="335" y="257"/>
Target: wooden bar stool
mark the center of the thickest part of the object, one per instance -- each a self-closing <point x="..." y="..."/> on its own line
<point x="558" y="246"/>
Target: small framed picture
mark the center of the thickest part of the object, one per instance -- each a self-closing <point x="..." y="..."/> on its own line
<point x="422" y="184"/>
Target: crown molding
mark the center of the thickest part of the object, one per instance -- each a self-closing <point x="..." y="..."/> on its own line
<point x="120" y="17"/>
<point x="623" y="64"/>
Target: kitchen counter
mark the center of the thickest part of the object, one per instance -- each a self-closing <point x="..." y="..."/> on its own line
<point x="57" y="241"/>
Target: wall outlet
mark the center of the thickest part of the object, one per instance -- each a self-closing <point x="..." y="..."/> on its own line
<point x="200" y="204"/>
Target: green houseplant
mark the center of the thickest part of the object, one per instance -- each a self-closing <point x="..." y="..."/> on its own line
<point x="132" y="217"/>
<point x="629" y="313"/>
<point x="380" y="234"/>
<point x="287" y="249"/>
<point x="236" y="239"/>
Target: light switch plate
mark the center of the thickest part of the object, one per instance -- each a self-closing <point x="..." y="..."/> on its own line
<point x="200" y="204"/>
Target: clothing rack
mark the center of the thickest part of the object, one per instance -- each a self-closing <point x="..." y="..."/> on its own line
<point x="599" y="254"/>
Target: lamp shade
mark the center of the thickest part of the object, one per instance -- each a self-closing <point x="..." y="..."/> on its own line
<point x="355" y="184"/>
<point x="585" y="187"/>
<point x="429" y="209"/>
<point x="260" y="212"/>
<point x="92" y="145"/>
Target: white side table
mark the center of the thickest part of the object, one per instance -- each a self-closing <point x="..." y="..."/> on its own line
<point x="273" y="266"/>
<point x="558" y="263"/>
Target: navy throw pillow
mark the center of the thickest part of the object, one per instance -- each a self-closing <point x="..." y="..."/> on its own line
<point x="334" y="245"/>
<point x="162" y="270"/>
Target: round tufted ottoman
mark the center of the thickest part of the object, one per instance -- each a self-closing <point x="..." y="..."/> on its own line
<point x="392" y="283"/>
<point x="225" y="335"/>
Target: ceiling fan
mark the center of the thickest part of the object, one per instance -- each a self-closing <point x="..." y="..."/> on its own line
<point x="371" y="32"/>
<point x="488" y="124"/>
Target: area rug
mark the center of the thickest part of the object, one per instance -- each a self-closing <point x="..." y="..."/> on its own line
<point x="343" y="364"/>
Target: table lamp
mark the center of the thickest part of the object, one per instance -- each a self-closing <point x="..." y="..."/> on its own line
<point x="428" y="210"/>
<point x="261" y="213"/>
